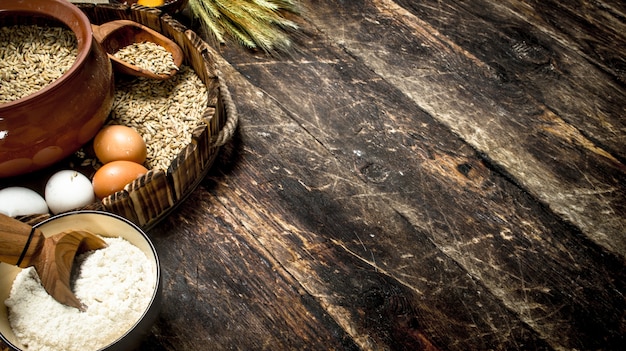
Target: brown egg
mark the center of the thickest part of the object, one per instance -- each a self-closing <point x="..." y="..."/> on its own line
<point x="114" y="176"/>
<point x="116" y="142"/>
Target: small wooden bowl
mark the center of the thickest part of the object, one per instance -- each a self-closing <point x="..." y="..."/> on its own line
<point x="116" y="35"/>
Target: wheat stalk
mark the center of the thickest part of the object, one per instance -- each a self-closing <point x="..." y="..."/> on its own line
<point x="256" y="24"/>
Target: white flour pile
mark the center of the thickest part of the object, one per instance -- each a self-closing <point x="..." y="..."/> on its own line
<point x="115" y="283"/>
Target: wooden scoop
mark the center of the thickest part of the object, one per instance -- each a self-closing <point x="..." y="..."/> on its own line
<point x="117" y="34"/>
<point x="23" y="246"/>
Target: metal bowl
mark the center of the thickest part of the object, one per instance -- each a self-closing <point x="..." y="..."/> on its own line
<point x="105" y="224"/>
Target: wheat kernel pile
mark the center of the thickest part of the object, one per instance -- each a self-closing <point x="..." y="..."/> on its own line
<point x="32" y="57"/>
<point x="164" y="112"/>
<point x="149" y="56"/>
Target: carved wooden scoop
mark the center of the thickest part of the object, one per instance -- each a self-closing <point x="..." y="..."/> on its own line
<point x="117" y="34"/>
<point x="52" y="257"/>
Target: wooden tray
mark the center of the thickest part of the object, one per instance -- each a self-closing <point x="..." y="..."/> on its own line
<point x="151" y="197"/>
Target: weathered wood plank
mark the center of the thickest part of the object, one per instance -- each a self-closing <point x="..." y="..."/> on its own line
<point x="222" y="291"/>
<point x="552" y="51"/>
<point x="616" y="6"/>
<point x="491" y="228"/>
<point x="375" y="272"/>
<point x="599" y="32"/>
<point x="536" y="147"/>
<point x="593" y="29"/>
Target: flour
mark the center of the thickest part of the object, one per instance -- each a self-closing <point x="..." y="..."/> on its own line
<point x="116" y="284"/>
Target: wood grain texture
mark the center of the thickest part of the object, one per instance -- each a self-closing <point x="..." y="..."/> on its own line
<point x="416" y="176"/>
<point x="221" y="283"/>
<point x="474" y="92"/>
<point x="565" y="55"/>
<point x="21" y="244"/>
<point x="345" y="251"/>
<point x="404" y="167"/>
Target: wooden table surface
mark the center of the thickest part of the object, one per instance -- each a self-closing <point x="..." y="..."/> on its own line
<point x="419" y="175"/>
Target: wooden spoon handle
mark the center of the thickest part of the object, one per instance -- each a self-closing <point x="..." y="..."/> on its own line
<point x="19" y="242"/>
<point x="100" y="32"/>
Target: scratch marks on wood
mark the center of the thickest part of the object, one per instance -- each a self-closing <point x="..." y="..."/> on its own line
<point x="370" y="261"/>
<point x="374" y="172"/>
<point x="492" y="111"/>
<point x="466" y="173"/>
<point x="565" y="131"/>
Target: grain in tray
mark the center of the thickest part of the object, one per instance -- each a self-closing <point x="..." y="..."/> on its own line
<point x="163" y="112"/>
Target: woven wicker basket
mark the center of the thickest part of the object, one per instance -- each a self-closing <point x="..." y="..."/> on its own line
<point x="151" y="197"/>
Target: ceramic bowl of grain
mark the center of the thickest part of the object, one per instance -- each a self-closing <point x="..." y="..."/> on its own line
<point x="120" y="285"/>
<point x="56" y="84"/>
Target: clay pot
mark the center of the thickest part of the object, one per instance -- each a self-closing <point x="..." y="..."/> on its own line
<point x="45" y="127"/>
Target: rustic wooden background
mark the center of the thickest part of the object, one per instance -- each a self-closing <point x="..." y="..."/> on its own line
<point x="418" y="175"/>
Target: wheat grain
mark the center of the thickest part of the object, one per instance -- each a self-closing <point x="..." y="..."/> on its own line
<point x="32" y="57"/>
<point x="163" y="112"/>
<point x="149" y="56"/>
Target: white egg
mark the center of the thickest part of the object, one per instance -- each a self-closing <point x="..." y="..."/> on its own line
<point x="20" y="201"/>
<point x="68" y="190"/>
